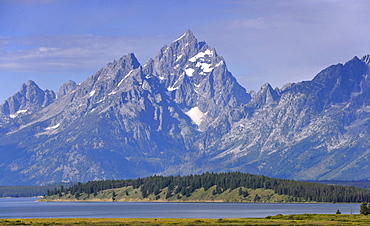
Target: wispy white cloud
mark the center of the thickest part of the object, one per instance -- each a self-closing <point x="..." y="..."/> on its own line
<point x="67" y="53"/>
<point x="51" y="60"/>
<point x="290" y="41"/>
<point x="275" y="41"/>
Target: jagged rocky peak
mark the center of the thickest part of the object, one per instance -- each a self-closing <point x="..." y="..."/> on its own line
<point x="128" y="61"/>
<point x="116" y="69"/>
<point x="189" y="62"/>
<point x="66" y="88"/>
<point x="197" y="78"/>
<point x="187" y="45"/>
<point x="181" y="52"/>
<point x="29" y="99"/>
<point x="351" y="80"/>
<point x="334" y="85"/>
<point x="49" y="97"/>
<point x="32" y="93"/>
<point x="268" y="93"/>
<point x="334" y="76"/>
<point x="187" y="38"/>
<point x="264" y="96"/>
<point x="109" y="77"/>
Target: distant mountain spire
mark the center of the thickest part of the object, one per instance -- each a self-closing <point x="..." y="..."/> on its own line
<point x="66" y="88"/>
<point x="30" y="98"/>
<point x="129" y="60"/>
<point x="186" y="37"/>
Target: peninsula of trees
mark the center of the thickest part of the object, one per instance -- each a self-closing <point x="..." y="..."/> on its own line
<point x="222" y="187"/>
<point x="24" y="191"/>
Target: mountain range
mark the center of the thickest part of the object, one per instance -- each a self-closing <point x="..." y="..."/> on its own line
<point x="183" y="112"/>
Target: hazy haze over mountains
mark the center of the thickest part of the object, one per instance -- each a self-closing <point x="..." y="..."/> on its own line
<point x="183" y="112"/>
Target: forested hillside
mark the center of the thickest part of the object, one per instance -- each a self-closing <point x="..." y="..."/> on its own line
<point x="233" y="186"/>
<point x="355" y="183"/>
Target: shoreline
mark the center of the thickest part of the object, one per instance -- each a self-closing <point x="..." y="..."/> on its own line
<point x="10" y="197"/>
<point x="294" y="219"/>
<point x="186" y="201"/>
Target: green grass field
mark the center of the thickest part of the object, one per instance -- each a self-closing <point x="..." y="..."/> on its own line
<point x="300" y="219"/>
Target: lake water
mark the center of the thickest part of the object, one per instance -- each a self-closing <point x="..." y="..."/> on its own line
<point x="28" y="208"/>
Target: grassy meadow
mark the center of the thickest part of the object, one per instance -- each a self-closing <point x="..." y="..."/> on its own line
<point x="300" y="219"/>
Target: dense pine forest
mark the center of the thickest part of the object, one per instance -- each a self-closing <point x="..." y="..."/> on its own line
<point x="179" y="187"/>
<point x="356" y="183"/>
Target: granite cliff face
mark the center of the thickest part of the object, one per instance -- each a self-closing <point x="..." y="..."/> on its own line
<point x="183" y="112"/>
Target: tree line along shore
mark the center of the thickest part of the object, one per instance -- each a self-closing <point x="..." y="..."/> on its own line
<point x="209" y="187"/>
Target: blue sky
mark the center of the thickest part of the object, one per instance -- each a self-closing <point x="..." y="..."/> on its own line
<point x="274" y="41"/>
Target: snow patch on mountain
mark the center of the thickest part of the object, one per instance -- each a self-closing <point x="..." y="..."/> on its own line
<point x="112" y="93"/>
<point x="204" y="66"/>
<point x="201" y="55"/>
<point x="99" y="101"/>
<point x="128" y="74"/>
<point x="92" y="92"/>
<point x="172" y="88"/>
<point x="52" y="127"/>
<point x="181" y="37"/>
<point x="196" y="115"/>
<point x="49" y="130"/>
<point x="219" y="63"/>
<point x="179" y="57"/>
<point x="17" y="113"/>
<point x="189" y="72"/>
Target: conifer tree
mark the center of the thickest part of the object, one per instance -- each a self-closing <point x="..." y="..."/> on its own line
<point x="168" y="195"/>
<point x="114" y="196"/>
<point x="256" y="198"/>
<point x="77" y="195"/>
<point x="364" y="209"/>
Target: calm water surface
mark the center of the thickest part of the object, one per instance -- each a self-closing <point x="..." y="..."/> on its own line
<point x="28" y="208"/>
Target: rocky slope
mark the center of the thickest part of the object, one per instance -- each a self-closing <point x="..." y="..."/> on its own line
<point x="183" y="112"/>
<point x="310" y="130"/>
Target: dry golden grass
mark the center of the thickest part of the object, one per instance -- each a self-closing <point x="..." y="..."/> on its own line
<point x="300" y="219"/>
